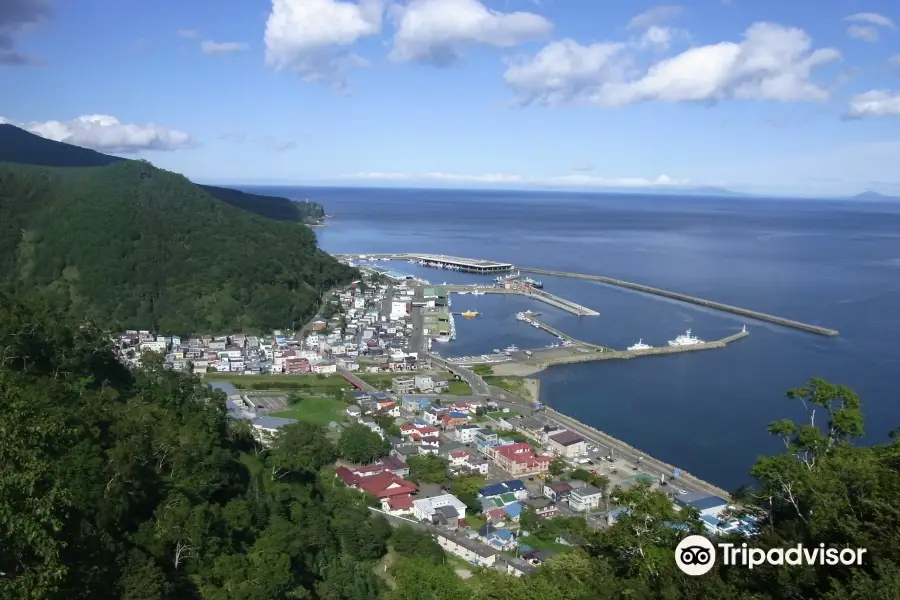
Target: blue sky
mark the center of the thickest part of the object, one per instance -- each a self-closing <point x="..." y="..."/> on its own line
<point x="796" y="97"/>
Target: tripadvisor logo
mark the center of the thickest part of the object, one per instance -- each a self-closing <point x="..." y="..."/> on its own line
<point x="696" y="555"/>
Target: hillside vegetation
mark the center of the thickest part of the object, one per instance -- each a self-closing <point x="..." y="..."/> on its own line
<point x="130" y="245"/>
<point x="134" y="485"/>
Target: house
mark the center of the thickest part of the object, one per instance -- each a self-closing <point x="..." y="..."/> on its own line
<point x="529" y="426"/>
<point x="433" y="509"/>
<point x="458" y="458"/>
<point x="439" y="386"/>
<point x="353" y="411"/>
<point x="585" y="499"/>
<point x="466" y="549"/>
<point x="536" y="557"/>
<point x="265" y="428"/>
<point x="558" y="490"/>
<point x="518" y="459"/>
<point x="476" y="464"/>
<point x="497" y="538"/>
<point x="395" y="465"/>
<point x="404" y="450"/>
<point x="415" y="404"/>
<point x="513" y="511"/>
<point x="372" y="424"/>
<point x="613" y="515"/>
<point x="567" y="444"/>
<point x="542" y="507"/>
<point x="403" y="385"/>
<point x="397" y="505"/>
<point x="432" y="415"/>
<point x="383" y="484"/>
<point x="451" y="420"/>
<point x="424" y="383"/>
<point x="465" y="433"/>
<point x="514" y="488"/>
<point x="518" y="567"/>
<point x="706" y="504"/>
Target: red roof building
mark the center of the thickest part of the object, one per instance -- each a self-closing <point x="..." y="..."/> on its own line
<point x="518" y="459"/>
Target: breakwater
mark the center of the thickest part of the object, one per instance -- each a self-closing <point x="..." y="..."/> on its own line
<point x="553" y="330"/>
<point x="547" y="298"/>
<point x="607" y="354"/>
<point x="689" y="299"/>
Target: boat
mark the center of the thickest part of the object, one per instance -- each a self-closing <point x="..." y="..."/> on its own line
<point x="685" y="340"/>
<point x="478" y="293"/>
<point x="471" y="314"/>
<point x="536" y="325"/>
<point x="534" y="283"/>
<point x="496" y="351"/>
<point x="640" y="346"/>
<point x="521" y="316"/>
<point x="511" y="348"/>
<point x="463" y="293"/>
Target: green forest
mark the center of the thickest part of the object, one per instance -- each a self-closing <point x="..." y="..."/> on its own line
<point x="135" y="485"/>
<point x="129" y="245"/>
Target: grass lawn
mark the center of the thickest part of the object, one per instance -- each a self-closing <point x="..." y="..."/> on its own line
<point x="542" y="544"/>
<point x="475" y="521"/>
<point x="311" y="382"/>
<point x="516" y="385"/>
<point x="380" y="380"/>
<point x="459" y="388"/>
<point x="483" y="370"/>
<point x="318" y="410"/>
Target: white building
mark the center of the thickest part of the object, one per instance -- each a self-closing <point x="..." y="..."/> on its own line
<point x="468" y="550"/>
<point x="424" y="508"/>
<point x="585" y="499"/>
<point x="465" y="434"/>
<point x="567" y="444"/>
<point x="398" y="310"/>
<point x="266" y="428"/>
<point x="424" y="383"/>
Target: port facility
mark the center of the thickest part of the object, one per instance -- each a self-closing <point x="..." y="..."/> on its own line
<point x="638" y="287"/>
<point x="467" y="265"/>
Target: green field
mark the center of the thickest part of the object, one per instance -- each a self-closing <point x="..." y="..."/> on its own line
<point x="516" y="385"/>
<point x="380" y="380"/>
<point x="483" y="370"/>
<point x="318" y="410"/>
<point x="315" y="383"/>
<point x="459" y="388"/>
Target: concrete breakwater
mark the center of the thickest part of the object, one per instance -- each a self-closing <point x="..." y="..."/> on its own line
<point x="690" y="299"/>
<point x="607" y="354"/>
<point x="556" y="301"/>
<point x="565" y="336"/>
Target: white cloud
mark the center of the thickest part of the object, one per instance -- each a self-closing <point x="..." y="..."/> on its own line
<point x="577" y="180"/>
<point x="655" y="16"/>
<point x="107" y="134"/>
<point x="875" y="103"/>
<point x="306" y="36"/>
<point x="211" y="47"/>
<point x="188" y="34"/>
<point x="772" y="62"/>
<point x="872" y="19"/>
<point x="894" y="61"/>
<point x="864" y="33"/>
<point x="436" y="31"/>
<point x="17" y="16"/>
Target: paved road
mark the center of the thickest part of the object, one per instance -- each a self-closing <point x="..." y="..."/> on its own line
<point x="478" y="385"/>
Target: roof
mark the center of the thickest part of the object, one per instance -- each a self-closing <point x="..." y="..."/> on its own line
<point x="401" y="502"/>
<point x="561" y="487"/>
<point x="709" y="502"/>
<point x="448" y="511"/>
<point x="471" y="545"/>
<point x="587" y="490"/>
<point x="380" y="485"/>
<point x="685" y="499"/>
<point x="393" y="463"/>
<point x="508" y="498"/>
<point x="272" y="422"/>
<point x="513" y="510"/>
<point x="567" y="438"/>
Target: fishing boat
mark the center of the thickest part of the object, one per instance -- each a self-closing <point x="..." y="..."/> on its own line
<point x="640" y="346"/>
<point x="686" y="340"/>
<point x="478" y="293"/>
<point x="471" y="314"/>
<point x="511" y="348"/>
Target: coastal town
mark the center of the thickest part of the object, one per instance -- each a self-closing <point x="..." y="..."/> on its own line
<point x="496" y="480"/>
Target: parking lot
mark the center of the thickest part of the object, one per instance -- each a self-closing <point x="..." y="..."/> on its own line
<point x="269" y="402"/>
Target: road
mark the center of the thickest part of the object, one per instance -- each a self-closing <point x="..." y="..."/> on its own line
<point x="359" y="383"/>
<point x="478" y="385"/>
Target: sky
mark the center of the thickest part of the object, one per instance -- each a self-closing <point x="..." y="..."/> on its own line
<point x="796" y="97"/>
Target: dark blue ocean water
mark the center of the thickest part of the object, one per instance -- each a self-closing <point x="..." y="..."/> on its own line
<point x="830" y="263"/>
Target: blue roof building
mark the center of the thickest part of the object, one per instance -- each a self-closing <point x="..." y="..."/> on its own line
<point x="513" y="486"/>
<point x="513" y="510"/>
<point x="415" y="402"/>
<point x="705" y="503"/>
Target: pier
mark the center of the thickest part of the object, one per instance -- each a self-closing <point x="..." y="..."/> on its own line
<point x="691" y="300"/>
<point x="565" y="356"/>
<point x="545" y="297"/>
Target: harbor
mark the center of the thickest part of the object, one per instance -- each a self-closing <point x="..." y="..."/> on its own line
<point x="524" y="289"/>
<point x="489" y="267"/>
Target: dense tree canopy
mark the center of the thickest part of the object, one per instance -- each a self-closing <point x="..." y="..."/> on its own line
<point x="133" y="246"/>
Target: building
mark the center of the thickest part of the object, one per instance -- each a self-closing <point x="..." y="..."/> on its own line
<point x="567" y="444"/>
<point x="382" y="485"/>
<point x="425" y="509"/>
<point x="542" y="507"/>
<point x="706" y="504"/>
<point x="558" y="490"/>
<point x="265" y="428"/>
<point x="518" y="459"/>
<point x="466" y="549"/>
<point x="465" y="434"/>
<point x="403" y="385"/>
<point x="514" y="488"/>
<point x="424" y="383"/>
<point x="586" y="498"/>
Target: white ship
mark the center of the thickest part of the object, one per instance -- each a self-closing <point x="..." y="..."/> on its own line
<point x="463" y="293"/>
<point x="640" y="346"/>
<point x="511" y="348"/>
<point x="521" y="317"/>
<point x="536" y="325"/>
<point x="478" y="293"/>
<point x="686" y="340"/>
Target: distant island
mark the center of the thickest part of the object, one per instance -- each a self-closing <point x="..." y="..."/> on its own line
<point x="129" y="245"/>
<point x="874" y="196"/>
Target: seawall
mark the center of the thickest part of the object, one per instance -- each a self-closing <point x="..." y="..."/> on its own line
<point x="759" y="316"/>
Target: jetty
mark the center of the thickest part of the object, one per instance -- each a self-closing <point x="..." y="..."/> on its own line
<point x="744" y="312"/>
<point x="528" y="291"/>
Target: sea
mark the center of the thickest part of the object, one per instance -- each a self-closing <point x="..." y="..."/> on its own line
<point x="825" y="262"/>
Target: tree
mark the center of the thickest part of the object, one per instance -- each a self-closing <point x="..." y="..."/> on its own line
<point x="412" y="543"/>
<point x="387" y="423"/>
<point x="558" y="466"/>
<point x="427" y="468"/>
<point x="359" y="444"/>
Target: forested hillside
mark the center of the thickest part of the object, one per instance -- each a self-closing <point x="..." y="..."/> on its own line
<point x="130" y="245"/>
<point x="134" y="485"/>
